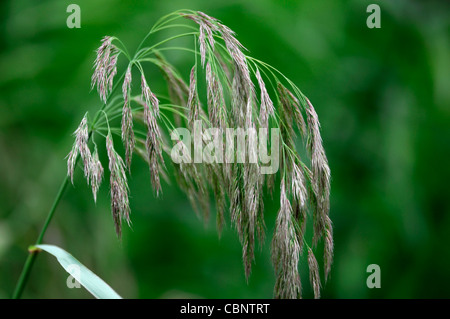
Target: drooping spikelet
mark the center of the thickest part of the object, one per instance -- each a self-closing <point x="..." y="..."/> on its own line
<point x="298" y="186"/>
<point x="215" y="180"/>
<point x="193" y="103"/>
<point x="320" y="171"/>
<point x="80" y="147"/>
<point x="242" y="218"/>
<point x="153" y="135"/>
<point x="235" y="48"/>
<point x="96" y="173"/>
<point x="287" y="134"/>
<point x="250" y="219"/>
<point x="329" y="248"/>
<point x="192" y="182"/>
<point x="285" y="251"/>
<point x="105" y="68"/>
<point x="216" y="103"/>
<point x="314" y="273"/>
<point x="128" y="138"/>
<point x="299" y="200"/>
<point x="149" y="97"/>
<point x="267" y="107"/>
<point x="291" y="107"/>
<point x="202" y="44"/>
<point x="209" y="24"/>
<point x="298" y="117"/>
<point x="120" y="206"/>
<point x="126" y="86"/>
<point x="239" y="99"/>
<point x="71" y="161"/>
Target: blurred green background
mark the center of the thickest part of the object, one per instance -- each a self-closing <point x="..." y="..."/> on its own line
<point x="383" y="98"/>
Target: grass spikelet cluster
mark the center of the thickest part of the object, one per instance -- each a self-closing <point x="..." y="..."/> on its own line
<point x="240" y="91"/>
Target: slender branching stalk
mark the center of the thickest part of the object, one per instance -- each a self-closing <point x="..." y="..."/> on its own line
<point x="241" y="92"/>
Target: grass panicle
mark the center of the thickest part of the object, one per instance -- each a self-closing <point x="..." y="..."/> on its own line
<point x="236" y="95"/>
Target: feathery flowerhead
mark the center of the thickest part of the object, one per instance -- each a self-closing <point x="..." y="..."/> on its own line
<point x="211" y="26"/>
<point x="222" y="97"/>
<point x="71" y="162"/>
<point x="120" y="206"/>
<point x="298" y="185"/>
<point x="285" y="251"/>
<point x="320" y="171"/>
<point x="291" y="106"/>
<point x="207" y="28"/>
<point x="216" y="102"/>
<point x="267" y="107"/>
<point x="329" y="247"/>
<point x="126" y="86"/>
<point x="149" y="97"/>
<point x="202" y="43"/>
<point x="314" y="273"/>
<point x="81" y="140"/>
<point x="153" y="146"/>
<point x="92" y="167"/>
<point x="235" y="50"/>
<point x="80" y="147"/>
<point x="192" y="99"/>
<point x="96" y="174"/>
<point x="105" y="68"/>
<point x="128" y="138"/>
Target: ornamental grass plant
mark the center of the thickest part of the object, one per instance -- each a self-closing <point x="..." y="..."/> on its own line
<point x="226" y="88"/>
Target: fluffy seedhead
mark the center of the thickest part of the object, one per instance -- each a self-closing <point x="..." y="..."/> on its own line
<point x="128" y="138"/>
<point x="193" y="103"/>
<point x="80" y="147"/>
<point x="96" y="173"/>
<point x="320" y="170"/>
<point x="149" y="97"/>
<point x="105" y="68"/>
<point x="120" y="207"/>
<point x="285" y="251"/>
<point x="216" y="102"/>
<point x="329" y="248"/>
<point x="230" y="99"/>
<point x="266" y="107"/>
<point x="314" y="277"/>
<point x="153" y="134"/>
<point x="298" y="187"/>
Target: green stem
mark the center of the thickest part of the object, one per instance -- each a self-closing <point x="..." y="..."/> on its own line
<point x="32" y="256"/>
<point x="147" y="50"/>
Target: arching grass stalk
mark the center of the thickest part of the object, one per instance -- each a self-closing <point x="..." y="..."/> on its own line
<point x="236" y="96"/>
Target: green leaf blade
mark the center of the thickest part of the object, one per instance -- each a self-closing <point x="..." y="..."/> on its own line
<point x="94" y="284"/>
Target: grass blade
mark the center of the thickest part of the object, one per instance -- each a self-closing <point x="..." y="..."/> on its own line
<point x="94" y="284"/>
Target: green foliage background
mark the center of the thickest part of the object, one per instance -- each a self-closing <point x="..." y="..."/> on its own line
<point x="383" y="99"/>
